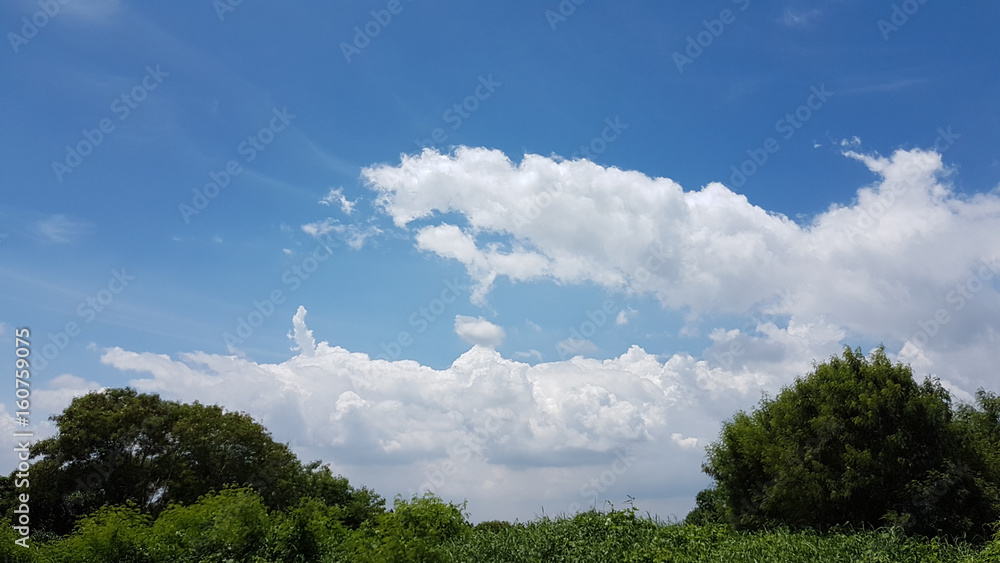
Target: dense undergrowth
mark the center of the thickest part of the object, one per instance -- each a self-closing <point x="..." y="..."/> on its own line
<point x="236" y="526"/>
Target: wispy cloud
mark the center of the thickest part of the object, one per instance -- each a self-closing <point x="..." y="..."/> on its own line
<point x="337" y="196"/>
<point x="792" y="18"/>
<point x="890" y="86"/>
<point x="60" y="229"/>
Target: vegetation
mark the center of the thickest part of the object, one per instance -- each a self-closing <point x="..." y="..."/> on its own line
<point x="854" y="462"/>
<point x="120" y="447"/>
<point x="859" y="443"/>
<point x="236" y="526"/>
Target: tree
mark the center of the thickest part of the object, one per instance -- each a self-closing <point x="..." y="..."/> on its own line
<point x="856" y="442"/>
<point x="119" y="446"/>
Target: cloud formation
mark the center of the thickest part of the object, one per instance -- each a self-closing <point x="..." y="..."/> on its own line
<point x="880" y="267"/>
<point x="478" y="331"/>
<point x="495" y="422"/>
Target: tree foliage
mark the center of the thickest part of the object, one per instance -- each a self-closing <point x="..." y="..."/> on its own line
<point x="858" y="442"/>
<point x="121" y="447"/>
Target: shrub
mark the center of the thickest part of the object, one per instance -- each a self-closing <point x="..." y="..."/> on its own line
<point x="227" y="526"/>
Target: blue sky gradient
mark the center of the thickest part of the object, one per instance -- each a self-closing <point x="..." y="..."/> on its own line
<point x="304" y="111"/>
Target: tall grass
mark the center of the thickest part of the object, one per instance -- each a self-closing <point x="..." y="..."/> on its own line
<point x="429" y="531"/>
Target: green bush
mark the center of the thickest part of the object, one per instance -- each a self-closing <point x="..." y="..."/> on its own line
<point x="415" y="531"/>
<point x="227" y="526"/>
<point x="11" y="552"/>
<point x="112" y="534"/>
<point x="495" y="526"/>
<point x="305" y="533"/>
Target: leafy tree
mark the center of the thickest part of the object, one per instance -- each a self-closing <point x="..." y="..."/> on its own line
<point x="358" y="505"/>
<point x="119" y="446"/>
<point x="709" y="509"/>
<point x="856" y="442"/>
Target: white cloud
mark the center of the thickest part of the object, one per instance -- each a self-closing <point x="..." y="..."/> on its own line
<point x="686" y="443"/>
<point x="874" y="268"/>
<point x="305" y="344"/>
<point x="478" y="331"/>
<point x="60" y="229"/>
<point x="517" y="435"/>
<point x="337" y="196"/>
<point x="852" y="142"/>
<point x="353" y="235"/>
<point x="322" y="228"/>
<point x="792" y="18"/>
<point x="51" y="398"/>
<point x="625" y="315"/>
<point x="505" y="435"/>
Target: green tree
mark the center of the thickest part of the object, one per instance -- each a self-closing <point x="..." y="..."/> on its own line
<point x="119" y="446"/>
<point x="855" y="442"/>
<point x="358" y="505"/>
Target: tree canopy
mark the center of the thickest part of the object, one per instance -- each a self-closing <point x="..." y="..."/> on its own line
<point x="858" y="442"/>
<point x="119" y="446"/>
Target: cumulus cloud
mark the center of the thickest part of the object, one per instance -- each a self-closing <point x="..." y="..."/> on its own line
<point x="477" y="330"/>
<point x="305" y="344"/>
<point x="513" y="434"/>
<point x="872" y="268"/>
<point x="686" y="443"/>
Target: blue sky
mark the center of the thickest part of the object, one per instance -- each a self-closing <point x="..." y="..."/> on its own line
<point x="476" y="189"/>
